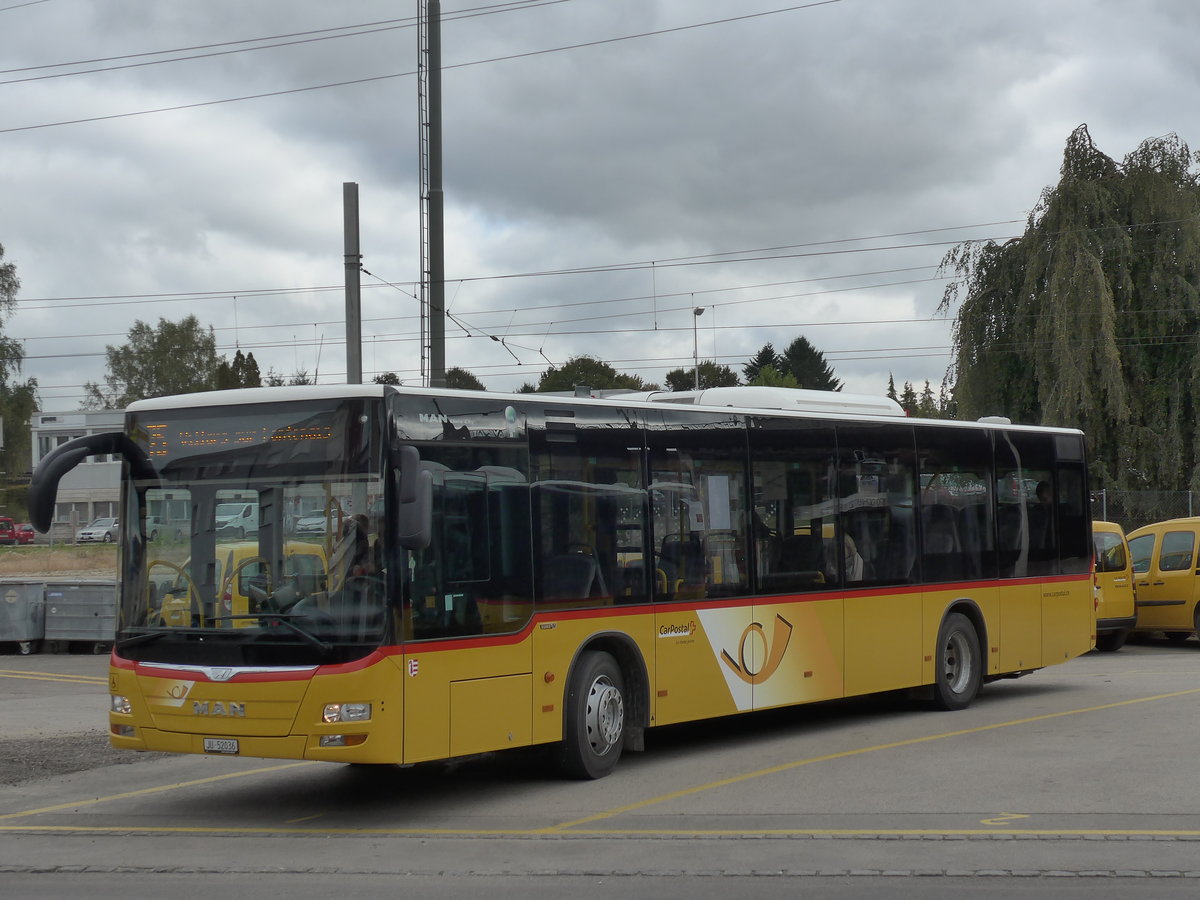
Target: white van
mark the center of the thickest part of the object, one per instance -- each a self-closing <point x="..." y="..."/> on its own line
<point x="237" y="518"/>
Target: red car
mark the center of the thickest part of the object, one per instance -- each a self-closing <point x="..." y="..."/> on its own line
<point x="25" y="533"/>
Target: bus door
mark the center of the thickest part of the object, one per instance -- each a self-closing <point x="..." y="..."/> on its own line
<point x="707" y="649"/>
<point x="463" y="693"/>
<point x="465" y="667"/>
<point x="796" y="632"/>
<point x="878" y="530"/>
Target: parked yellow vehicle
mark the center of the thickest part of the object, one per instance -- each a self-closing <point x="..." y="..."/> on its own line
<point x="239" y="567"/>
<point x="1116" y="609"/>
<point x="1165" y="569"/>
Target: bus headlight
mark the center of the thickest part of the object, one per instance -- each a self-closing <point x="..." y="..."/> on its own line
<point x="120" y="704"/>
<point x="346" y="712"/>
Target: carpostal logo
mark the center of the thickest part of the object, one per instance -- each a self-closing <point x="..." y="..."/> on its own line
<point x="686" y="629"/>
<point x="756" y="634"/>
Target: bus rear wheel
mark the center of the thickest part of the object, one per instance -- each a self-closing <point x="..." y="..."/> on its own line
<point x="959" y="664"/>
<point x="594" y="727"/>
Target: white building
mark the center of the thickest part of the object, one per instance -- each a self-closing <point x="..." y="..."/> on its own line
<point x="91" y="489"/>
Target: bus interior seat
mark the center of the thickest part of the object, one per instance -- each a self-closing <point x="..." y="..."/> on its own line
<point x="571" y="576"/>
<point x="683" y="558"/>
<point x="943" y="556"/>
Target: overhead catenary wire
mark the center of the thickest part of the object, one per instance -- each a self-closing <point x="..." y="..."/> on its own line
<point x="282" y="40"/>
<point x="393" y="75"/>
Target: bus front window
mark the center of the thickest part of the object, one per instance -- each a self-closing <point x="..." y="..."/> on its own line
<point x="268" y="550"/>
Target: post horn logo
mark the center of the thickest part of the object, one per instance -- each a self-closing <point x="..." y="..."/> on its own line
<point x="778" y="645"/>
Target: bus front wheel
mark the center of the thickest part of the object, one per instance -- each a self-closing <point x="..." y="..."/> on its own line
<point x="959" y="664"/>
<point x="594" y="727"/>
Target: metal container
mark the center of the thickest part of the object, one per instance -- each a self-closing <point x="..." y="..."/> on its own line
<point x="81" y="611"/>
<point x="22" y="613"/>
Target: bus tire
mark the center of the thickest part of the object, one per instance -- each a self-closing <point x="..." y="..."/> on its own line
<point x="594" y="725"/>
<point x="958" y="664"/>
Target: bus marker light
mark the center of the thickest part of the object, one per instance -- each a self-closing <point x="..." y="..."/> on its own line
<point x="548" y="677"/>
<point x="549" y="707"/>
<point x="127" y="731"/>
<point x="342" y="740"/>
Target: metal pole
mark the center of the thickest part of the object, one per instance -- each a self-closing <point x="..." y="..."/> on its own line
<point x="353" y="283"/>
<point x="437" y="252"/>
<point x="696" y="314"/>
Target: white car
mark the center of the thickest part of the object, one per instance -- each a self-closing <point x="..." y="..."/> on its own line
<point x="101" y="531"/>
<point x="310" y="525"/>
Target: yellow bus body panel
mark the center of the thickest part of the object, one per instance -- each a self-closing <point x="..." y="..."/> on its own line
<point x="883" y="641"/>
<point x="466" y="696"/>
<point x="1020" y="635"/>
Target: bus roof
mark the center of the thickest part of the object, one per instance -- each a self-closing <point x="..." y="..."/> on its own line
<point x="240" y="396"/>
<point x="747" y="399"/>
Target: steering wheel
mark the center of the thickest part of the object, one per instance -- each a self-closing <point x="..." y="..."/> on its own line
<point x="264" y="596"/>
<point x="180" y="574"/>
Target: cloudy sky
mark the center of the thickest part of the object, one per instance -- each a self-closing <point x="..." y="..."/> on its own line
<point x="609" y="166"/>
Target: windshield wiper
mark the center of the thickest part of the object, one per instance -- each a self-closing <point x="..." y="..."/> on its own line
<point x="149" y="637"/>
<point x="283" y="619"/>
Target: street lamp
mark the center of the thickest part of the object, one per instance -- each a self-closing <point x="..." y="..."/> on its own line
<point x="696" y="314"/>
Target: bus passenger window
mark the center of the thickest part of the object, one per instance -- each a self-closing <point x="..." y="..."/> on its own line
<point x="957" y="531"/>
<point x="876" y="488"/>
<point x="791" y="467"/>
<point x="589" y="510"/>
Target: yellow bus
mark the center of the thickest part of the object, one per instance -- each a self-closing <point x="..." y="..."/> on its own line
<point x="516" y="570"/>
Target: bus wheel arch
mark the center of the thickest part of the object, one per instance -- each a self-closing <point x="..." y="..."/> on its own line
<point x="959" y="659"/>
<point x="605" y="706"/>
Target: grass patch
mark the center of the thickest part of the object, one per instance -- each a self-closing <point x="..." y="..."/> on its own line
<point x="98" y="560"/>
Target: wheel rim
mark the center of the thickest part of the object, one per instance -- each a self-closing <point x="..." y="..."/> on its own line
<point x="605" y="718"/>
<point x="956" y="664"/>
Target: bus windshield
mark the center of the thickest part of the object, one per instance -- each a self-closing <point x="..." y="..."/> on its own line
<point x="275" y="554"/>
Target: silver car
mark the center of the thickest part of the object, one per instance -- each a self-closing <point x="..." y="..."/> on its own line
<point x="103" y="530"/>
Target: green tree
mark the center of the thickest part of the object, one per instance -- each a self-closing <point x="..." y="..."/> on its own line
<point x="463" y="380"/>
<point x="18" y="399"/>
<point x="242" y="372"/>
<point x="769" y="376"/>
<point x="587" y="370"/>
<point x="927" y="406"/>
<point x="891" y="390"/>
<point x="809" y="367"/>
<point x="763" y="358"/>
<point x="386" y="378"/>
<point x="711" y="376"/>
<point x="908" y="399"/>
<point x="174" y="358"/>
<point x="1090" y="318"/>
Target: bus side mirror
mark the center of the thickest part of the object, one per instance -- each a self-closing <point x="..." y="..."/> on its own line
<point x="414" y="512"/>
<point x="43" y="487"/>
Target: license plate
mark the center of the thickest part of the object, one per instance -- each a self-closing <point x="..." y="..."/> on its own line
<point x="220" y="745"/>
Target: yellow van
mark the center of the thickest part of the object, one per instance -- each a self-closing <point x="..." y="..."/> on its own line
<point x="1165" y="568"/>
<point x="239" y="565"/>
<point x="1116" y="609"/>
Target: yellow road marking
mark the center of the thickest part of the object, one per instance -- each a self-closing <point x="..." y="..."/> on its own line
<point x="1004" y="818"/>
<point x="844" y="754"/>
<point x="574" y="825"/>
<point x="603" y="832"/>
<point x="153" y="790"/>
<point x="51" y="676"/>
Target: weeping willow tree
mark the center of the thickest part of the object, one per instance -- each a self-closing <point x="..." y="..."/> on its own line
<point x="1092" y="317"/>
